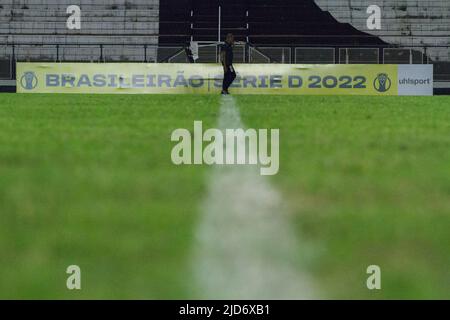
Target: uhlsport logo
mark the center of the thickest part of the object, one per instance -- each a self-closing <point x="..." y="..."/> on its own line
<point x="29" y="80"/>
<point x="382" y="83"/>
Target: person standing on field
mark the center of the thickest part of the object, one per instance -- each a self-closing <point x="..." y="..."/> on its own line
<point x="226" y="58"/>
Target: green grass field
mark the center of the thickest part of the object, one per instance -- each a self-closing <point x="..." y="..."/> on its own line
<point x="88" y="180"/>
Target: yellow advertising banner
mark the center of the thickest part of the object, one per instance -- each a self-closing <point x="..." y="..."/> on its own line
<point x="165" y="78"/>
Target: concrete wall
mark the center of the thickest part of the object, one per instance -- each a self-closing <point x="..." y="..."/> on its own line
<point x="404" y="22"/>
<point x="129" y="24"/>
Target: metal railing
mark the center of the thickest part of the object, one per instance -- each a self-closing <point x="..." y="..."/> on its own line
<point x="439" y="56"/>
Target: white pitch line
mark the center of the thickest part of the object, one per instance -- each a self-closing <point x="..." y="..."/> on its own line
<point x="245" y="246"/>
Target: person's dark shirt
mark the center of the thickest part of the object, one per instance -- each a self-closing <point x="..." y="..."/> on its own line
<point x="228" y="49"/>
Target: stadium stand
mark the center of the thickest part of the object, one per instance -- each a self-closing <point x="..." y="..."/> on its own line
<point x="405" y="23"/>
<point x="39" y="33"/>
<point x="275" y="31"/>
